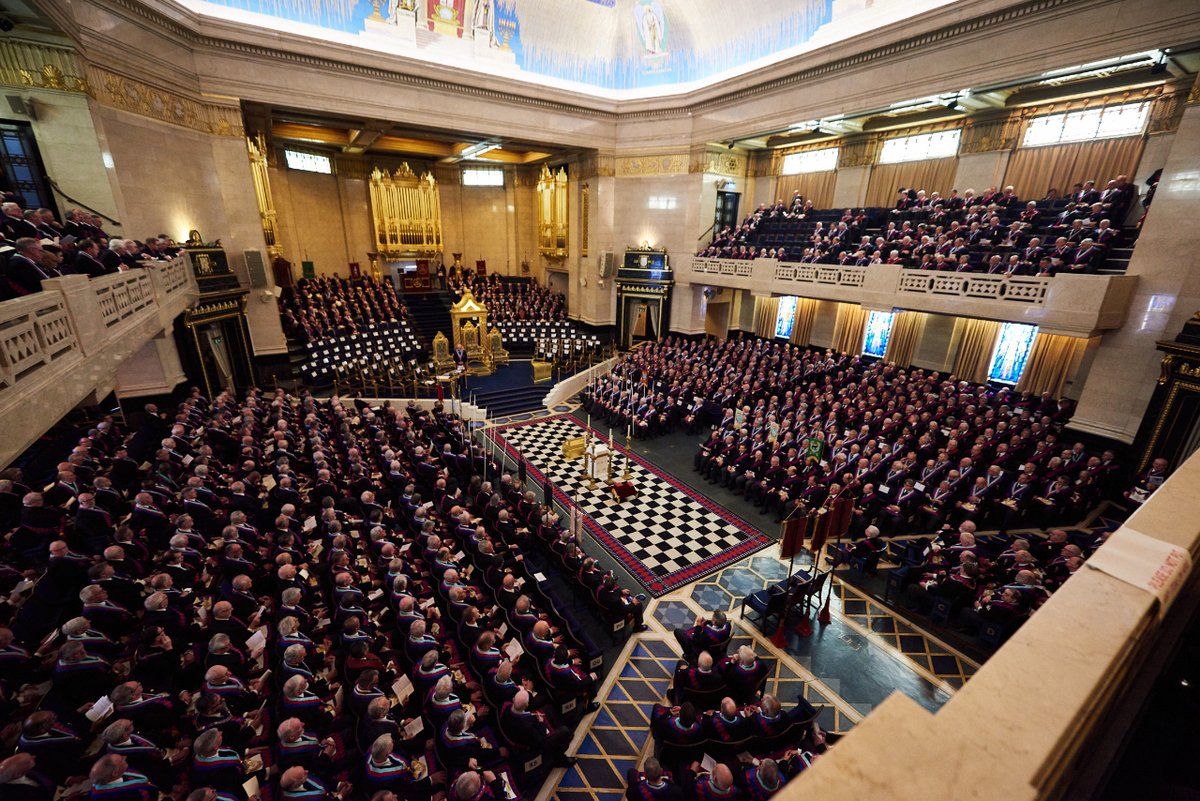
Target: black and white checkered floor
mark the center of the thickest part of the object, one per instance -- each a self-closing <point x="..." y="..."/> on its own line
<point x="666" y="536"/>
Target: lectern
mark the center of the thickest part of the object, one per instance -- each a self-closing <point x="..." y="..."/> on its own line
<point x="599" y="460"/>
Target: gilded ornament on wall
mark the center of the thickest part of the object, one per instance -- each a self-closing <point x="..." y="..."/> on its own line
<point x="642" y="166"/>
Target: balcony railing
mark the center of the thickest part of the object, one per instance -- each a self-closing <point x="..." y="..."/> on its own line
<point x="1076" y="305"/>
<point x="65" y="343"/>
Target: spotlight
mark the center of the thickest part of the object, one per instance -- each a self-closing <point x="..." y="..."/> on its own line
<point x="6" y="24"/>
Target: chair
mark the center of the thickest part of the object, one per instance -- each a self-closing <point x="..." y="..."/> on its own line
<point x="865" y="565"/>
<point x="766" y="603"/>
<point x="943" y="608"/>
<point x="992" y="635"/>
<point x="895" y="581"/>
<point x="442" y="360"/>
<point x="499" y="353"/>
<point x="804" y="594"/>
<point x="470" y="337"/>
<point x="528" y="764"/>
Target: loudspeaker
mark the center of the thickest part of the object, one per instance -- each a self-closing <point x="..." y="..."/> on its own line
<point x="20" y="105"/>
<point x="256" y="269"/>
<point x="606" y="264"/>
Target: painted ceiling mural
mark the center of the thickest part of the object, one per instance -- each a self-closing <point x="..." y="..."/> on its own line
<point x="604" y="44"/>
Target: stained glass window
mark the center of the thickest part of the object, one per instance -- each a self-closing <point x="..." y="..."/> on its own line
<point x="879" y="330"/>
<point x="1013" y="347"/>
<point x="785" y="318"/>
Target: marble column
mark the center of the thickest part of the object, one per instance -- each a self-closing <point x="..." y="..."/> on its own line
<point x="592" y="298"/>
<point x="850" y="189"/>
<point x="1123" y="375"/>
<point x="978" y="171"/>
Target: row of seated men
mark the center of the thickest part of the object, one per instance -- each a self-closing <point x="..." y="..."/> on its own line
<point x="961" y="234"/>
<point x="26" y="262"/>
<point x="512" y="301"/>
<point x="318" y="308"/>
<point x="1081" y="245"/>
<point x="719" y="711"/>
<point x="911" y="449"/>
<point x="999" y="580"/>
<point x="280" y="603"/>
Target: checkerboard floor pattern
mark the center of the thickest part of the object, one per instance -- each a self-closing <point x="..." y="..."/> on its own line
<point x="667" y="536"/>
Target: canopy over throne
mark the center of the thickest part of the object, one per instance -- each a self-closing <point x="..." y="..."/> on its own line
<point x="469" y="321"/>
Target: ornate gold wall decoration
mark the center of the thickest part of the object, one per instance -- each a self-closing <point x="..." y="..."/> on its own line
<point x="140" y="98"/>
<point x="41" y="66"/>
<point x="858" y="151"/>
<point x="595" y="165"/>
<point x="1167" y="111"/>
<point x="986" y="136"/>
<point x="644" y="166"/>
<point x="1194" y="93"/>
<point x="553" y="225"/>
<point x="257" y="148"/>
<point x="163" y="105"/>
<point x="406" y="212"/>
<point x="727" y="163"/>
<point x="765" y="163"/>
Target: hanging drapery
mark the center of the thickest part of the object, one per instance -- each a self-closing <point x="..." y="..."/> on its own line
<point x="849" y="328"/>
<point x="806" y="313"/>
<point x="1033" y="170"/>
<point x="1050" y="362"/>
<point x="933" y="175"/>
<point x="976" y="340"/>
<point x="907" y="329"/>
<point x="765" y="312"/>
<point x="814" y="186"/>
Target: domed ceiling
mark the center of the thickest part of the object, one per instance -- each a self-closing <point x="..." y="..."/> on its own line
<point x="613" y="47"/>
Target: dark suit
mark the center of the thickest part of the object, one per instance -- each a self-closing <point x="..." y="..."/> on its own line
<point x="17" y="227"/>
<point x="24" y="275"/>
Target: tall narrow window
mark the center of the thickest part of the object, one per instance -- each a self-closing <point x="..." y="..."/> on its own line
<point x="1013" y="347"/>
<point x="879" y="331"/>
<point x="21" y="166"/>
<point x="785" y="318"/>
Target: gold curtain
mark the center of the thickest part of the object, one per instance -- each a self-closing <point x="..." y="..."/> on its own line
<point x="907" y="328"/>
<point x="934" y="175"/>
<point x="815" y="186"/>
<point x="765" y="312"/>
<point x="849" y="328"/>
<point x="976" y="339"/>
<point x="1033" y="170"/>
<point x="806" y="313"/>
<point x="1050" y="362"/>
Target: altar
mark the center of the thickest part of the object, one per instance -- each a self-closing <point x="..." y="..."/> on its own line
<point x="599" y="460"/>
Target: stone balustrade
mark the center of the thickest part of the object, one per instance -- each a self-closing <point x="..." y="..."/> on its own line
<point x="1044" y="716"/>
<point x="1075" y="305"/>
<point x="62" y="346"/>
